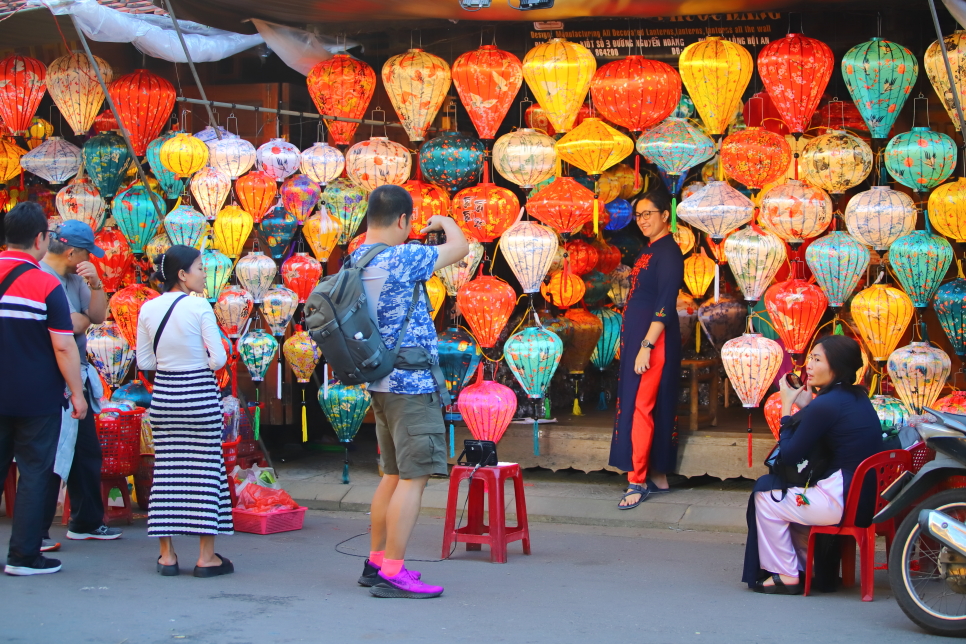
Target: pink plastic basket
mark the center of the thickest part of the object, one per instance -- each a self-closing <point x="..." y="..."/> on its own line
<point x="267" y="522"/>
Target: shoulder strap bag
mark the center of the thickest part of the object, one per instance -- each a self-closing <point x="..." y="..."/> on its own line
<point x="164" y="322"/>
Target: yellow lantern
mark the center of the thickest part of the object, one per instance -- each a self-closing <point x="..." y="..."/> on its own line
<point x="72" y="83"/>
<point x="716" y="73"/>
<point x="879" y="216"/>
<point x="417" y="83"/>
<point x="936" y="70"/>
<point x="183" y="154"/>
<point x="322" y="231"/>
<point x="609" y="185"/>
<point x="593" y="146"/>
<point x="526" y="157"/>
<point x="558" y="73"/>
<point x="881" y="314"/>
<point x="232" y="227"/>
<point x="38" y="132"/>
<point x="437" y="294"/>
<point x="631" y="181"/>
<point x="919" y="372"/>
<point x="684" y="238"/>
<point x="796" y="212"/>
<point x="947" y="209"/>
<point x="10" y="154"/>
<point x="754" y="258"/>
<point x="210" y="188"/>
<point x="563" y="289"/>
<point x="836" y="161"/>
<point x="698" y="273"/>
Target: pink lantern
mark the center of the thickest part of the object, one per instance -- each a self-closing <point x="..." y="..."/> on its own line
<point x="233" y="308"/>
<point x="210" y="188"/>
<point x="299" y="196"/>
<point x="487" y="408"/>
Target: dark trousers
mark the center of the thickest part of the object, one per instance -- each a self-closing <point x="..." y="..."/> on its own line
<point x="33" y="441"/>
<point x="83" y="481"/>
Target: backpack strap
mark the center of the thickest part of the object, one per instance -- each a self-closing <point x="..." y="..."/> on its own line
<point x="12" y="276"/>
<point x="370" y="255"/>
<point x="434" y="368"/>
<point x="164" y="322"/>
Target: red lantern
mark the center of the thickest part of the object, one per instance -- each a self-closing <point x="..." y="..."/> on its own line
<point x="773" y="413"/>
<point x="117" y="258"/>
<point x="636" y="93"/>
<point x="583" y="256"/>
<point x="301" y="273"/>
<point x="564" y="205"/>
<point x="796" y="70"/>
<point x="22" y="87"/>
<point x="603" y="218"/>
<point x="759" y="111"/>
<point x="105" y="122"/>
<point x="486" y="303"/>
<point x="342" y="86"/>
<point x="428" y="200"/>
<point x="536" y="118"/>
<point x="126" y="305"/>
<point x="608" y="257"/>
<point x="144" y="102"/>
<point x="839" y="115"/>
<point x="795" y="308"/>
<point x="257" y="193"/>
<point x="487" y="79"/>
<point x="487" y="408"/>
<point x="755" y="156"/>
<point x="485" y="211"/>
<point x="356" y="241"/>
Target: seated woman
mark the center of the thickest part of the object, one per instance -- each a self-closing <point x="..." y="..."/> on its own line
<point x="841" y="418"/>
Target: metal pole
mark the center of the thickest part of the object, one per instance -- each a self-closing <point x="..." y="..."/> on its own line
<point x="194" y="72"/>
<point x="155" y="199"/>
<point x="305" y="115"/>
<point x="949" y="70"/>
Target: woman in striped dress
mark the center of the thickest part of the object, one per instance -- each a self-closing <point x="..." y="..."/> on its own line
<point x="178" y="336"/>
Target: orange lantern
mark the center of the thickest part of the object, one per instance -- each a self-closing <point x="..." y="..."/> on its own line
<point x="428" y="200"/>
<point x="486" y="303"/>
<point x="322" y="231"/>
<point x="232" y="310"/>
<point x="73" y="85"/>
<point x="231" y="230"/>
<point x="301" y="273"/>
<point x="587" y="329"/>
<point x="773" y="413"/>
<point x="22" y="88"/>
<point x="796" y="211"/>
<point x="117" y="258"/>
<point x="563" y="289"/>
<point x="342" y="86"/>
<point x="795" y="308"/>
<point x="144" y="102"/>
<point x="755" y="156"/>
<point x="485" y="211"/>
<point x="564" y="205"/>
<point x="417" y="83"/>
<point x="257" y="193"/>
<point x="608" y="257"/>
<point x="125" y="306"/>
<point x="636" y="93"/>
<point x="583" y="257"/>
<point x="796" y="70"/>
<point x="487" y="80"/>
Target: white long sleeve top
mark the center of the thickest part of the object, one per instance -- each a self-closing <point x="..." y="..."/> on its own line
<point x="190" y="341"/>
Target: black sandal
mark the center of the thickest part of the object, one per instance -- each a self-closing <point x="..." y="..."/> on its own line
<point x="780" y="587"/>
<point x="634" y="488"/>
<point x="226" y="568"/>
<point x="168" y="571"/>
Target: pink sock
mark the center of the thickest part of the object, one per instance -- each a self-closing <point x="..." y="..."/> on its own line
<point x="391" y="567"/>
<point x="375" y="557"/>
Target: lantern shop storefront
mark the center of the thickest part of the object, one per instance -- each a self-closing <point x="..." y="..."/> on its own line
<point x="813" y="157"/>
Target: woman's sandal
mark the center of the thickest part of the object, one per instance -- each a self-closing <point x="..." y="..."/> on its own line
<point x="634" y="488"/>
<point x="168" y="571"/>
<point x="780" y="587"/>
<point x="226" y="568"/>
<point x="654" y="489"/>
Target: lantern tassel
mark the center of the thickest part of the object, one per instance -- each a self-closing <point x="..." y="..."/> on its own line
<point x="577" y="411"/>
<point x="305" y="422"/>
<point x="717" y="282"/>
<point x="697" y="339"/>
<point x="596" y="214"/>
<point x="452" y="440"/>
<point x="536" y="436"/>
<point x="345" y="466"/>
<point x="546" y="408"/>
<point x="258" y="416"/>
<point x="281" y="375"/>
<point x="602" y="402"/>
<point x="749" y="439"/>
<point x="637" y="173"/>
<point x="674" y="214"/>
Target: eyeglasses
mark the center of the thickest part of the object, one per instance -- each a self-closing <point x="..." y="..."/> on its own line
<point x="646" y="213"/>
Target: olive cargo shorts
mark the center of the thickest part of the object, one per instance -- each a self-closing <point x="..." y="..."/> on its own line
<point x="411" y="434"/>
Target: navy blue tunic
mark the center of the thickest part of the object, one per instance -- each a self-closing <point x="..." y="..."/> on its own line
<point x="655" y="281"/>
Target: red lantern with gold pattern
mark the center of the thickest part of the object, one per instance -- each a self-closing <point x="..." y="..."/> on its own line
<point x="636" y="93"/>
<point x="22" y="87"/>
<point x="301" y="273"/>
<point x="486" y="303"/>
<point x="428" y="200"/>
<point x="608" y="257"/>
<point x="564" y="205"/>
<point x="144" y="102"/>
<point x="105" y="122"/>
<point x="755" y="157"/>
<point x="487" y="79"/>
<point x="485" y="211"/>
<point x="796" y="70"/>
<point x="117" y="258"/>
<point x="583" y="257"/>
<point x="126" y="305"/>
<point x="342" y="86"/>
<point x="257" y="193"/>
<point x="795" y="307"/>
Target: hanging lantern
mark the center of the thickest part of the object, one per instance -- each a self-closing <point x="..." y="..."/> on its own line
<point x="717" y="209"/>
<point x="458" y="357"/>
<point x="879" y="216"/>
<point x="22" y="88"/>
<point x="563" y="289"/>
<point x="838" y="262"/>
<point x="796" y="70"/>
<point x="301" y="273"/>
<point x="451" y="160"/>
<point x="773" y="412"/>
<point x="536" y="118"/>
<point x="559" y="73"/>
<point x="302" y="354"/>
<point x="80" y="200"/>
<point x="636" y="93"/>
<point x="939" y="78"/>
<point x="754" y="258"/>
<point x="919" y="372"/>
<point x="109" y="353"/>
<point x="125" y="306"/>
<point x="378" y="162"/>
<point x="300" y="195"/>
<point x="321" y="231"/>
<point x="596" y="286"/>
<point x="881" y="314"/>
<point x="278" y="158"/>
<point x="559" y="325"/>
<point x="257" y="193"/>
<point x="278" y="307"/>
<point x="158" y="245"/>
<point x="105" y="121"/>
<point x="723" y="319"/>
<point x="55" y="160"/>
<point x="231" y="157"/>
<point x="485" y="211"/>
<point x="839" y="115"/>
<point x="610" y="337"/>
<point x="608" y="257"/>
<point x="751" y="362"/>
<point x="105" y="159"/>
<point x="920" y="159"/>
<point x="257" y="350"/>
<point x="621" y="213"/>
<point x="529" y="250"/>
<point x="436" y="291"/>
<point x="345" y="407"/>
<point x="487" y="80"/>
<point x="417" y="83"/>
<point x="630" y="179"/>
<point x="684" y="238"/>
<point x="947" y="209"/>
<point x="210" y="188"/>
<point x="698" y="273"/>
<point x="920" y="261"/>
<point x="586" y="334"/>
<point x="341" y="86"/>
<point x="218" y="267"/>
<point x="533" y="355"/>
<point x="10" y="155"/>
<point x="322" y="163"/>
<point x="347" y="202"/>
<point x="136" y="216"/>
<point x="486" y="302"/>
<point x="755" y="157"/>
<point x="39" y="131"/>
<point x="456" y="275"/>
<point x="256" y="272"/>
<point x="144" y="103"/>
<point x="836" y="161"/>
<point x="185" y="226"/>
<point x="183" y="154"/>
<point x="117" y="258"/>
<point x="675" y="146"/>
<point x="880" y="75"/>
<point x="564" y="205"/>
<point x="232" y="309"/>
<point x="525" y="157"/>
<point x="583" y="257"/>
<point x="276" y="231"/>
<point x="609" y="184"/>
<point x="428" y="201"/>
<point x="796" y="212"/>
<point x="892" y="414"/>
<point x="950" y="306"/>
<point x="487" y="408"/>
<point x="716" y="73"/>
<point x="795" y="308"/>
<point x="73" y="85"/>
<point x="231" y="230"/>
<point x="172" y="185"/>
<point x="593" y="146"/>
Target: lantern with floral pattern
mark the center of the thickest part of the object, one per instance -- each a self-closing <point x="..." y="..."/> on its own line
<point x="836" y="161"/>
<point x="838" y="262"/>
<point x="751" y="362"/>
<point x="950" y="306"/>
<point x="636" y="93"/>
<point x="218" y="267"/>
<point x="716" y="72"/>
<point x="256" y="272"/>
<point x="378" y="162"/>
<point x="754" y="258"/>
<point x="487" y="80"/>
<point x="183" y="154"/>
<point x="456" y="275"/>
<point x="136" y="216"/>
<point x="22" y="88"/>
<point x="485" y="211"/>
<point x="346" y="202"/>
<point x="564" y="205"/>
<point x="55" y="160"/>
<point x="210" y="188"/>
<point x="529" y="249"/>
<point x="185" y="226"/>
<point x="80" y="200"/>
<point x="105" y="159"/>
<point x="525" y="157"/>
<point x="717" y="209"/>
<point x="796" y="70"/>
<point x="125" y="307"/>
<point x="795" y="308"/>
<point x="879" y="216"/>
<point x="919" y="372"/>
<point x="321" y="231"/>
<point x="299" y="196"/>
<point x="278" y="307"/>
<point x="451" y="160"/>
<point x="755" y="156"/>
<point x="881" y="314"/>
<point x="880" y="76"/>
<point x="72" y="83"/>
<point x="920" y="159"/>
<point x="278" y="158"/>
<point x="428" y="201"/>
<point x="231" y="230"/>
<point x="232" y="157"/>
<point x="117" y="258"/>
<point x="559" y="74"/>
<point x="796" y="212"/>
<point x="301" y="273"/>
<point x="144" y="103"/>
<point x="232" y="310"/>
<point x="920" y="261"/>
<point x="322" y="163"/>
<point x="342" y="86"/>
<point x="417" y="83"/>
<point x="486" y="302"/>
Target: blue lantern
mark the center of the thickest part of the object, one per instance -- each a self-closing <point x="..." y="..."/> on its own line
<point x="106" y="160"/>
<point x="533" y="355"/>
<point x="136" y="216"/>
<point x="170" y="183"/>
<point x="880" y="76"/>
<point x="610" y="337"/>
<point x="620" y="212"/>
<point x="276" y="231"/>
<point x="950" y="305"/>
<point x="459" y="355"/>
<point x="345" y="406"/>
<point x="452" y="161"/>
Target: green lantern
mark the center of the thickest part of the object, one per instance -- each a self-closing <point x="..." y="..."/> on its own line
<point x="345" y="406"/>
<point x="106" y="160"/>
<point x="920" y="261"/>
<point x="892" y="414"/>
<point x="257" y="350"/>
<point x="173" y="186"/>
<point x="950" y="305"/>
<point x="459" y="354"/>
<point x="920" y="159"/>
<point x="596" y="286"/>
<point x="346" y="202"/>
<point x="452" y="161"/>
<point x="218" y="267"/>
<point x="533" y="355"/>
<point x="136" y="216"/>
<point x="880" y="76"/>
<point x="610" y="337"/>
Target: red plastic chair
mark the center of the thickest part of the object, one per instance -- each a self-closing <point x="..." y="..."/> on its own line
<point x="887" y="466"/>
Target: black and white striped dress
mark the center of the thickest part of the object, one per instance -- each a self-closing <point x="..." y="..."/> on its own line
<point x="190" y="491"/>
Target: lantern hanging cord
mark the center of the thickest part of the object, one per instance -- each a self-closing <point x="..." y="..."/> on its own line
<point x="194" y="71"/>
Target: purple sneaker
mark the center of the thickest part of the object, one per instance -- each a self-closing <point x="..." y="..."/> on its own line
<point x="370" y="574"/>
<point x="405" y="585"/>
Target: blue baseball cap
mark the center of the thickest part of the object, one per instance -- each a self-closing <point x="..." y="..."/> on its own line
<point x="79" y="235"/>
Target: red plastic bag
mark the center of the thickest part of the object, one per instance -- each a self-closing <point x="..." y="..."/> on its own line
<point x="263" y="499"/>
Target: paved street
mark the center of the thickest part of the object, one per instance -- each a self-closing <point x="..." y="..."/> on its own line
<point x="582" y="584"/>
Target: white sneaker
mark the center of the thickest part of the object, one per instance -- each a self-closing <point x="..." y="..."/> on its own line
<point x="102" y="533"/>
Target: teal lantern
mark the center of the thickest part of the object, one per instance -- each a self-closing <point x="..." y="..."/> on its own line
<point x="620" y="212"/>
<point x="173" y="186"/>
<point x="106" y="161"/>
<point x="685" y="108"/>
<point x="950" y="305"/>
<point x="136" y="216"/>
<point x="345" y="406"/>
<point x="276" y="231"/>
<point x="533" y="355"/>
<point x="766" y="327"/>
<point x="920" y="261"/>
<point x="596" y="286"/>
<point x="892" y="414"/>
<point x="610" y="338"/>
<point x="675" y="146"/>
<point x="920" y="159"/>
<point x="218" y="267"/>
<point x="185" y="226"/>
<point x="452" y="161"/>
<point x="459" y="354"/>
<point x="257" y="350"/>
<point x="838" y="262"/>
<point x="880" y="76"/>
<point x="346" y="202"/>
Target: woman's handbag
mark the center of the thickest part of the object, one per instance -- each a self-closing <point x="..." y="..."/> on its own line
<point x="805" y="472"/>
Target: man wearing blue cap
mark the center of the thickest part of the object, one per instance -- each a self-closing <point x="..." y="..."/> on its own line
<point x="68" y="259"/>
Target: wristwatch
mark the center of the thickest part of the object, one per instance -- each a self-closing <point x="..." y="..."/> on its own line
<point x="646" y="345"/>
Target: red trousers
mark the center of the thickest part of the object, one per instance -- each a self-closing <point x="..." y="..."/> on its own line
<point x="642" y="429"/>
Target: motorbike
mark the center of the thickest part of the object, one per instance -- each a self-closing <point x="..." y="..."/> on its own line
<point x="927" y="563"/>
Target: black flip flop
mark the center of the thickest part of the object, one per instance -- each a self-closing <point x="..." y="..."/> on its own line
<point x="634" y="488"/>
<point x="226" y="568"/>
<point x="168" y="571"/>
<point x="780" y="587"/>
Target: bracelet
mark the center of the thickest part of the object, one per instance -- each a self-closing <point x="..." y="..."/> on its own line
<point x="99" y="287"/>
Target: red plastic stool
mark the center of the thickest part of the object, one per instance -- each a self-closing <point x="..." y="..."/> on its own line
<point x="123" y="513"/>
<point x="488" y="480"/>
<point x="10" y="489"/>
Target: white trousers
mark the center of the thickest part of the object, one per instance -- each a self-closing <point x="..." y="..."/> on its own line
<point x="783" y="526"/>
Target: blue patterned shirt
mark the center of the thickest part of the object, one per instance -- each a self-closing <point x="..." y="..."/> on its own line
<point x="393" y="274"/>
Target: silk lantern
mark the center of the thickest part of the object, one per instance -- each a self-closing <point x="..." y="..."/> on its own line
<point x="936" y="71"/>
<point x="278" y="158"/>
<point x="109" y="353"/>
<point x="428" y="201"/>
<point x="417" y="83"/>
<point x="22" y="88"/>
<point x="751" y="362"/>
<point x="38" y="132"/>
<point x="606" y="348"/>
<point x="185" y="226"/>
<point x="341" y="86"/>
<point x="839" y="115"/>
<point x="755" y="157"/>
<point x="593" y="146"/>
<point x="795" y="307"/>
<point x="559" y="73"/>
<point x="881" y="314"/>
<point x="210" y="188"/>
<point x="636" y="93"/>
<point x="773" y="413"/>
<point x="104" y="122"/>
<point x="608" y="257"/>
<point x="621" y="214"/>
<point x="73" y="85"/>
<point x="716" y="73"/>
<point x="218" y="267"/>
<point x="564" y="205"/>
<point x="717" y="209"/>
<point x="795" y="211"/>
<point x="451" y="160"/>
<point x="117" y="258"/>
<point x="436" y="291"/>
<point x="487" y="408"/>
<point x="136" y="216"/>
<point x="106" y="158"/>
<point x="920" y="261"/>
<point x="796" y="70"/>
<point x="722" y="319"/>
<point x="159" y="244"/>
<point x="675" y="146"/>
<point x="321" y="231"/>
<point x="880" y="76"/>
<point x="879" y="216"/>
<point x="276" y="232"/>
<point x="301" y="273"/>
<point x="257" y="193"/>
<point x="533" y="355"/>
<point x="231" y="157"/>
<point x="80" y="200"/>
<point x="563" y="289"/>
<point x="529" y="250"/>
<point x="892" y="414"/>
<point x="456" y="275"/>
<point x="322" y="163"/>
<point x="299" y="196"/>
<point x="487" y="80"/>
<point x="459" y="356"/>
<point x="257" y="350"/>
<point x="256" y="272"/>
<point x="536" y="118"/>
<point x="232" y="309"/>
<point x="754" y="258"/>
<point x="586" y="334"/>
<point x="125" y="307"/>
<point x="485" y="211"/>
<point x="378" y="162"/>
<point x="55" y="160"/>
<point x="684" y="238"/>
<point x="596" y="286"/>
<point x="172" y="185"/>
<point x="947" y="209"/>
<point x="950" y="306"/>
<point x="699" y="272"/>
<point x="583" y="257"/>
<point x="920" y="159"/>
<point x="345" y="407"/>
<point x="525" y="157"/>
<point x="838" y="262"/>
<point x="10" y="155"/>
<point x="183" y="154"/>
<point x="278" y="307"/>
<point x="302" y="354"/>
<point x="919" y="372"/>
<point x="486" y="302"/>
<point x="144" y="102"/>
<point x="346" y="202"/>
<point x="231" y="230"/>
<point x="836" y="161"/>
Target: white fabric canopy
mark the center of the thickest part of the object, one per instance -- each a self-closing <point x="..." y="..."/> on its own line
<point x="300" y="50"/>
<point x="958" y="9"/>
